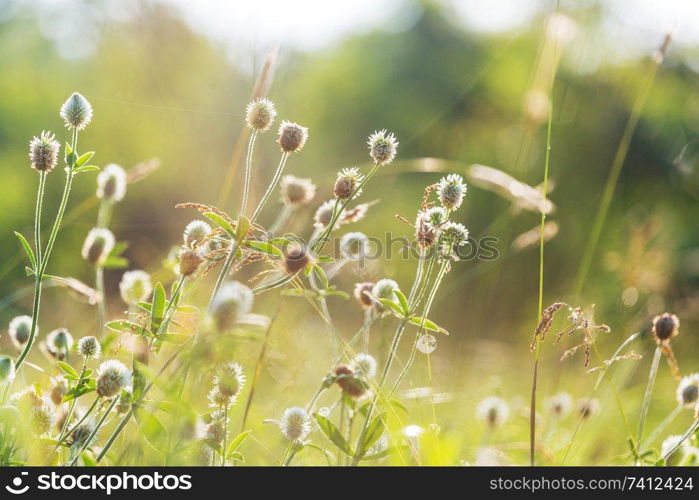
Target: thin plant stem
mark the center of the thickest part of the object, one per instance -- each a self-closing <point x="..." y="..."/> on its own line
<point x="72" y="404"/>
<point x="660" y="428"/>
<point x="270" y="188"/>
<point x="225" y="435"/>
<point x="649" y="392"/>
<point x="82" y="419"/>
<point x="692" y="428"/>
<point x="281" y="219"/>
<point x="94" y="431"/>
<point x="248" y="172"/>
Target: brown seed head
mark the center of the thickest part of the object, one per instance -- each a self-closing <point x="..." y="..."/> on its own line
<point x="189" y="262"/>
<point x="665" y="327"/>
<point x="348" y="382"/>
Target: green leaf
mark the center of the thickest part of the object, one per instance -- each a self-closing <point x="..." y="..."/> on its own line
<point x="119" y="248"/>
<point x="388" y="451"/>
<point x="393" y="306"/>
<point x="115" y="262"/>
<point x="403" y="302"/>
<point x="68" y="369"/>
<point x="123" y="325"/>
<point x="324" y="259"/>
<point x="333" y="434"/>
<point x="86" y="168"/>
<point x="84" y="159"/>
<point x="373" y="432"/>
<point x="157" y="313"/>
<point x="243" y="227"/>
<point x="428" y="325"/>
<point x="320" y="274"/>
<point x="27" y="249"/>
<point x="152" y="429"/>
<point x="264" y="247"/>
<point x="221" y="222"/>
<point x="235" y="444"/>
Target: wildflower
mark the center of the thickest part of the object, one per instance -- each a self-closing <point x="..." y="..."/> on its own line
<point x="425" y="233"/>
<point x="233" y="301"/>
<point x="215" y="432"/>
<point x="360" y="293"/>
<point x="217" y="399"/>
<point x="688" y="390"/>
<point x="260" y="114"/>
<point x="588" y="408"/>
<point x="677" y="456"/>
<point x="296" y="258"/>
<point x="7" y="370"/>
<point x="112" y="377"/>
<point x="41" y="414"/>
<point x="354" y="215"/>
<point x="89" y="347"/>
<point x="135" y="286"/>
<point x="20" y="329"/>
<point x="364" y="365"/>
<point x="98" y="245"/>
<point x="454" y="235"/>
<point x="348" y="381"/>
<point x="58" y="389"/>
<point x="665" y="327"/>
<point x="230" y="379"/>
<point x="560" y="405"/>
<point x="354" y="246"/>
<point x="76" y="112"/>
<point x="494" y="411"/>
<point x="111" y="183"/>
<point x="436" y="216"/>
<point x="348" y="179"/>
<point x="296" y="191"/>
<point x="451" y="191"/>
<point x="292" y="137"/>
<point x="59" y="342"/>
<point x="189" y="262"/>
<point x="43" y="152"/>
<point x="295" y="425"/>
<point x="384" y="289"/>
<point x="195" y="232"/>
<point x="382" y="147"/>
<point x="324" y="213"/>
<point x="82" y="433"/>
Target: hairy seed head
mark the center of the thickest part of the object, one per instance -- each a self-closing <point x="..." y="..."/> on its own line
<point x="135" y="286"/>
<point x="59" y="340"/>
<point x="688" y="390"/>
<point x="364" y="365"/>
<point x="588" y="407"/>
<point x="113" y="376"/>
<point x="382" y="147"/>
<point x="260" y="114"/>
<point x="360" y="294"/>
<point x="384" y="289"/>
<point x="195" y="232"/>
<point x="89" y="347"/>
<point x="43" y="152"/>
<point x="230" y="379"/>
<point x="560" y="405"/>
<point x="349" y="382"/>
<point x="348" y="179"/>
<point x="451" y="191"/>
<point x="354" y="245"/>
<point x="58" y="389"/>
<point x="494" y="411"/>
<point x="111" y="183"/>
<point x="665" y="327"/>
<point x="7" y="370"/>
<point x="295" y="424"/>
<point x="296" y="258"/>
<point x="190" y="260"/>
<point x="296" y="192"/>
<point x="76" y="112"/>
<point x="292" y="137"/>
<point x="98" y="244"/>
<point x="233" y="301"/>
<point x="20" y="328"/>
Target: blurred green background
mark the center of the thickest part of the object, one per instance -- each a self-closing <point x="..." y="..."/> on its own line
<point x="161" y="88"/>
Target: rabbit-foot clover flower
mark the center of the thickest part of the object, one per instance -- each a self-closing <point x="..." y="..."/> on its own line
<point x="112" y="377"/>
<point x="382" y="147"/>
<point x="451" y="190"/>
<point x="260" y="114"/>
<point x="560" y="405"/>
<point x="677" y="456"/>
<point x="494" y="411"/>
<point x="588" y="408"/>
<point x="111" y="183"/>
<point x="20" y="329"/>
<point x="354" y="245"/>
<point x="348" y="179"/>
<point x="384" y="289"/>
<point x="43" y="152"/>
<point x="230" y="379"/>
<point x="89" y="347"/>
<point x="195" y="232"/>
<point x="454" y="235"/>
<point x="350" y="383"/>
<point x="41" y="413"/>
<point x="436" y="216"/>
<point x="81" y="434"/>
<point x="425" y="232"/>
<point x="233" y="301"/>
<point x="76" y="112"/>
<point x="295" y="191"/>
<point x="135" y="286"/>
<point x="58" y="389"/>
<point x="59" y="342"/>
<point x="297" y="257"/>
<point x="99" y="243"/>
<point x="218" y="399"/>
<point x="688" y="390"/>
<point x="295" y="424"/>
<point x="665" y="327"/>
<point x="7" y="370"/>
<point x="190" y="260"/>
<point x="360" y="293"/>
<point x="324" y="213"/>
<point x="364" y="365"/>
<point x="292" y="137"/>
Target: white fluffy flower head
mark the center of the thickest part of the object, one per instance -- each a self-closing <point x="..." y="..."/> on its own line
<point x="89" y="347"/>
<point x="354" y="245"/>
<point x="98" y="245"/>
<point x="76" y="112"/>
<point x="20" y="329"/>
<point x="688" y="390"/>
<point x="494" y="411"/>
<point x="295" y="424"/>
<point x="451" y="191"/>
<point x="295" y="191"/>
<point x="111" y="183"/>
<point x="383" y="147"/>
<point x="135" y="286"/>
<point x="232" y="301"/>
<point x="113" y="376"/>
